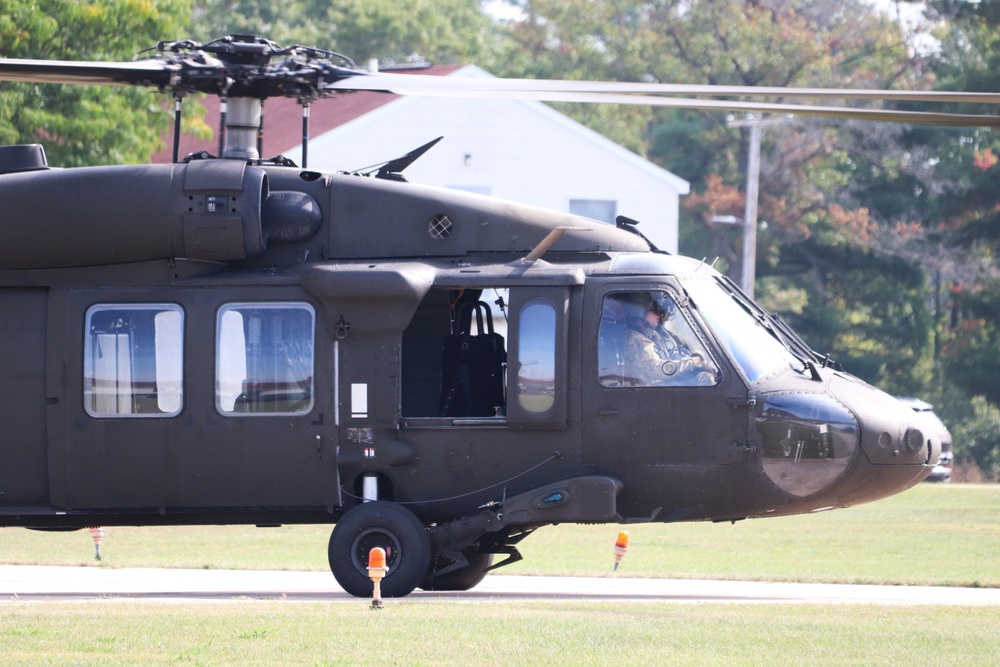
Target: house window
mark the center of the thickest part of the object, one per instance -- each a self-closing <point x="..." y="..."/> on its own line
<point x="474" y="189"/>
<point x="264" y="358"/>
<point x="133" y="360"/>
<point x="605" y="210"/>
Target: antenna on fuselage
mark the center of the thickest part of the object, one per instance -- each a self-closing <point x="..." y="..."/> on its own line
<point x="549" y="241"/>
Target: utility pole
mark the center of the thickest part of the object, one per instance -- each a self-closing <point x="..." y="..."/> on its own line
<point x="753" y="181"/>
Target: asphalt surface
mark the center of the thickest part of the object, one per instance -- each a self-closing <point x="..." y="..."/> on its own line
<point x="28" y="583"/>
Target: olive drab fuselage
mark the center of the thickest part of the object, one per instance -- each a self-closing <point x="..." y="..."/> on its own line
<point x="216" y="342"/>
<point x="438" y="374"/>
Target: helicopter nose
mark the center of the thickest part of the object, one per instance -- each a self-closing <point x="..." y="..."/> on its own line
<point x="850" y="444"/>
<point x="891" y="434"/>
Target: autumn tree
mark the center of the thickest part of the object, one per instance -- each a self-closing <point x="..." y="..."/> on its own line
<point x="820" y="259"/>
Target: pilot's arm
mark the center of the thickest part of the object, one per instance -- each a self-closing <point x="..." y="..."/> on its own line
<point x="644" y="365"/>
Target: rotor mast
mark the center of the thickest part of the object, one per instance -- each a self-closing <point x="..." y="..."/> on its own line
<point x="242" y="124"/>
<point x="241" y="71"/>
<point x="241" y="113"/>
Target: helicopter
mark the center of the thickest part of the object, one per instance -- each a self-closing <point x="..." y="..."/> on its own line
<point x="236" y="340"/>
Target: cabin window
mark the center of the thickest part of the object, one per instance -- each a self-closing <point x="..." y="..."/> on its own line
<point x="264" y="358"/>
<point x="646" y="341"/>
<point x="536" y="357"/>
<point x="133" y="360"/>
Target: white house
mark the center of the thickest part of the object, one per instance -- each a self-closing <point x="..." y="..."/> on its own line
<point x="519" y="150"/>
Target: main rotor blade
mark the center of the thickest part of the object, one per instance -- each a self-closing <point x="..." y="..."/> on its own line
<point x="880" y="115"/>
<point x="196" y="72"/>
<point x="417" y="84"/>
<point x="139" y="73"/>
<point x="846" y="113"/>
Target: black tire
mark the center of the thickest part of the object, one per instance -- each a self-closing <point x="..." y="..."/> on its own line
<point x="379" y="524"/>
<point x="460" y="580"/>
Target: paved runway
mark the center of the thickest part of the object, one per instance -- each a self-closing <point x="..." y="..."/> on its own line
<point x="27" y="583"/>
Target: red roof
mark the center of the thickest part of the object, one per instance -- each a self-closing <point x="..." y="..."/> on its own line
<point x="283" y="119"/>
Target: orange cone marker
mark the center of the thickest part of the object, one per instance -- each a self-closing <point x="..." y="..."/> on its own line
<point x="97" y="532"/>
<point x="376" y="571"/>
<point x="621" y="547"/>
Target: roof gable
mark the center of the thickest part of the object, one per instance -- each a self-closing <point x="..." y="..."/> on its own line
<point x="408" y="109"/>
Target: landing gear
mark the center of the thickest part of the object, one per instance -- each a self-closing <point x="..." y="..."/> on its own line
<point x="462" y="579"/>
<point x="389" y="526"/>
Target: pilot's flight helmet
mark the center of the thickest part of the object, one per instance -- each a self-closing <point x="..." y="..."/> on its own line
<point x="662" y="305"/>
<point x="641" y="303"/>
<point x="636" y="306"/>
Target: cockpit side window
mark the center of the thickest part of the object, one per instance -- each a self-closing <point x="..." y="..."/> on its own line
<point x="646" y="341"/>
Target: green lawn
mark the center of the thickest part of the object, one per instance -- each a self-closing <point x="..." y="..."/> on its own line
<point x="412" y="632"/>
<point x="932" y="534"/>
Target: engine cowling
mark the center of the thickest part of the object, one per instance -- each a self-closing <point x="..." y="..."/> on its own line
<point x="92" y="216"/>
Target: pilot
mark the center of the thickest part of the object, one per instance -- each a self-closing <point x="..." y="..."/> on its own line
<point x="656" y="356"/>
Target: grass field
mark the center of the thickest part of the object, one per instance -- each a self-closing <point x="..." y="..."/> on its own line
<point x="408" y="632"/>
<point x="932" y="534"/>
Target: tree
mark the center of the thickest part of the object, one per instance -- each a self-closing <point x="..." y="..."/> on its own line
<point x="977" y="439"/>
<point x="821" y="260"/>
<point x="442" y="31"/>
<point x="970" y="355"/>
<point x="965" y="206"/>
<point x="85" y="125"/>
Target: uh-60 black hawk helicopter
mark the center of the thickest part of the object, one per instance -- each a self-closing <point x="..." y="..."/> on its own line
<point x="242" y="341"/>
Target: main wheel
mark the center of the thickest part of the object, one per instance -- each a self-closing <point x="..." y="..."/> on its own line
<point x="379" y="524"/>
<point x="460" y="580"/>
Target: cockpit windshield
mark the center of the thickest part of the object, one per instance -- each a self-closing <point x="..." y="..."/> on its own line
<point x="742" y="331"/>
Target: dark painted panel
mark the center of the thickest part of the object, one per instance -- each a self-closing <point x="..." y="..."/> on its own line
<point x="23" y="470"/>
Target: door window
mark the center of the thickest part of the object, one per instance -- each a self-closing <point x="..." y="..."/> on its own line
<point x="536" y="357"/>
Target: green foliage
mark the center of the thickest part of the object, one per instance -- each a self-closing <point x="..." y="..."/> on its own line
<point x="867" y="310"/>
<point x="441" y="31"/>
<point x="977" y="439"/>
<point x="85" y="125"/>
<point x="970" y="356"/>
<point x="580" y="39"/>
<point x="951" y="179"/>
<point x="678" y="143"/>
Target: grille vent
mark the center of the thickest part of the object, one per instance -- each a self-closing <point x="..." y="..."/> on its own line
<point x="440" y="227"/>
